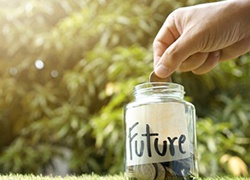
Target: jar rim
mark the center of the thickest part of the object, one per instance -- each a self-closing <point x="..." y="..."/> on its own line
<point x="156" y="85"/>
<point x="160" y="88"/>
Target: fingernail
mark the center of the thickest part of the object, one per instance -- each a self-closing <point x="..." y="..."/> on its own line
<point x="161" y="71"/>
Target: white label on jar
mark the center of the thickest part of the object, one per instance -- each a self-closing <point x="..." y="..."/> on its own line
<point x="156" y="133"/>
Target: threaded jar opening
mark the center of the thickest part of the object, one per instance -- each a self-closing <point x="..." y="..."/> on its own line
<point x="159" y="89"/>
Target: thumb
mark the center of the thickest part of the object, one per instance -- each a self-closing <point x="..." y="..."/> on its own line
<point x="174" y="55"/>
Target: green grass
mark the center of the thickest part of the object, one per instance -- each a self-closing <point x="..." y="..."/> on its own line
<point x="90" y="177"/>
<point x="83" y="177"/>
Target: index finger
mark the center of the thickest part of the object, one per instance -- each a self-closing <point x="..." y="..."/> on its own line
<point x="165" y="37"/>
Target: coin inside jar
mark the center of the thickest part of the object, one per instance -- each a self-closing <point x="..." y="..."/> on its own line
<point x="154" y="78"/>
<point x="145" y="171"/>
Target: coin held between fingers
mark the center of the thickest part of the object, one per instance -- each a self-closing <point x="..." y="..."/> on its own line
<point x="154" y="78"/>
<point x="162" y="70"/>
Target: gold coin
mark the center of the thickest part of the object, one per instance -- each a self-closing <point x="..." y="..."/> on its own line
<point x="154" y="78"/>
<point x="161" y="172"/>
<point x="145" y="172"/>
<point x="170" y="174"/>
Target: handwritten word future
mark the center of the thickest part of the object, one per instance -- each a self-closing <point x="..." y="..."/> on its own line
<point x="145" y="147"/>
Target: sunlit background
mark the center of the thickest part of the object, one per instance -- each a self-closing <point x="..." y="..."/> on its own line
<point x="67" y="69"/>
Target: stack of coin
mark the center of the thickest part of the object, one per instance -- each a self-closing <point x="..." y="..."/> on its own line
<point x="161" y="171"/>
<point x="170" y="170"/>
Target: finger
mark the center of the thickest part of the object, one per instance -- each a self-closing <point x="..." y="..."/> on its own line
<point x="165" y="37"/>
<point x="193" y="62"/>
<point x="159" y="48"/>
<point x="235" y="50"/>
<point x="209" y="64"/>
<point x="175" y="54"/>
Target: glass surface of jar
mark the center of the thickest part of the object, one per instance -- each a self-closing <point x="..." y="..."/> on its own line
<point x="160" y="133"/>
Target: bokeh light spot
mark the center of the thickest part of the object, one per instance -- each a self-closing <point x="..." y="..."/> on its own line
<point x="13" y="71"/>
<point x="39" y="64"/>
<point x="54" y="73"/>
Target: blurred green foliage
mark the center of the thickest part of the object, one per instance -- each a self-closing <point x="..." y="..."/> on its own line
<point x="93" y="53"/>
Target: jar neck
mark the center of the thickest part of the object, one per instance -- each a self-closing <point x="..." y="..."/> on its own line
<point x="158" y="90"/>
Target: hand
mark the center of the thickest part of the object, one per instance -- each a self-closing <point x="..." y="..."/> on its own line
<point x="196" y="38"/>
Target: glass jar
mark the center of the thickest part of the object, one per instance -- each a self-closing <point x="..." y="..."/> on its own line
<point x="160" y="129"/>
